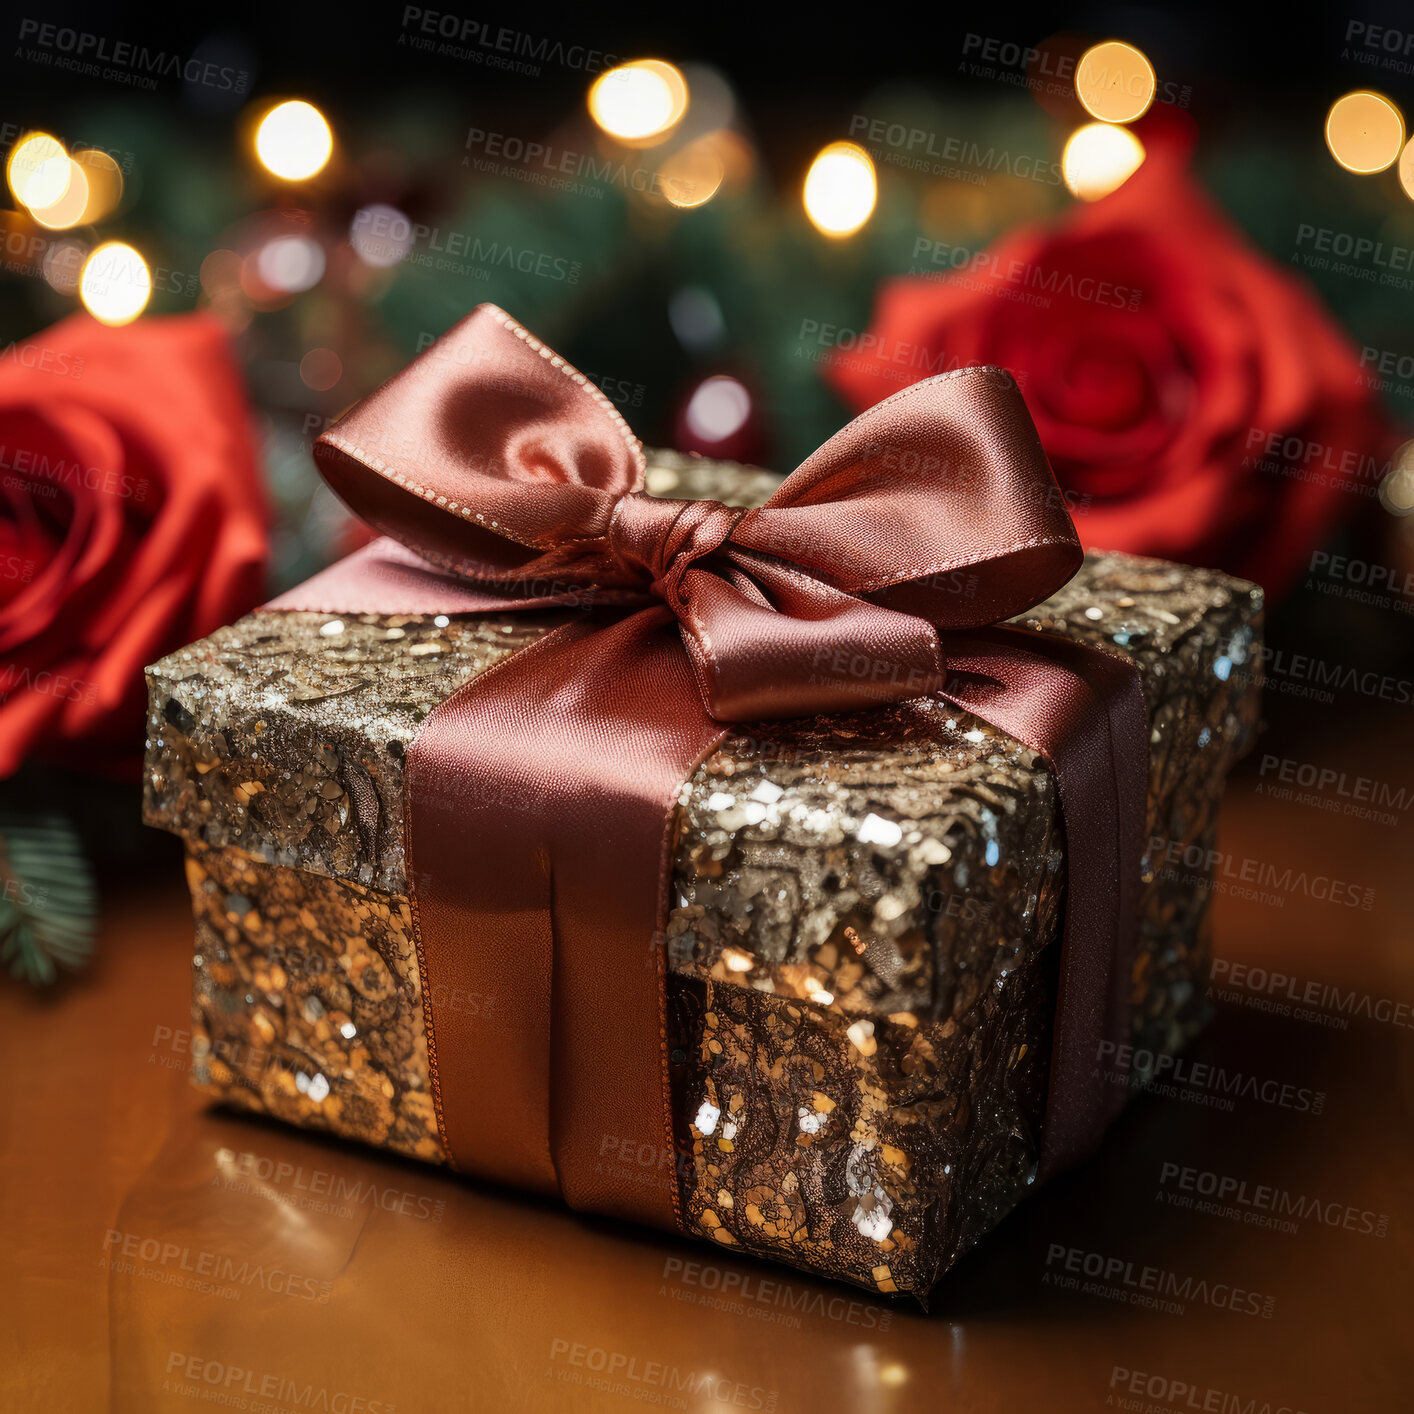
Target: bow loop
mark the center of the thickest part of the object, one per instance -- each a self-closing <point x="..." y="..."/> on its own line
<point x="491" y="457"/>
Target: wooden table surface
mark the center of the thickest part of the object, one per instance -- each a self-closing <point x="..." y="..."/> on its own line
<point x="160" y="1255"/>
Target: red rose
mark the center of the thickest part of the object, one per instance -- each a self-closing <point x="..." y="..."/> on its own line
<point x="131" y="522"/>
<point x="1194" y="399"/>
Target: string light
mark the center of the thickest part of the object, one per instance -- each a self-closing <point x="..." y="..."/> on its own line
<point x="841" y="189"/>
<point x="639" y="103"/>
<point x="693" y="176"/>
<point x="115" y="284"/>
<point x="1364" y="132"/>
<point x="1115" y="82"/>
<point x="290" y="264"/>
<point x="718" y="409"/>
<point x="39" y="171"/>
<point x="381" y="235"/>
<point x="69" y="209"/>
<point x="104" y="181"/>
<point x="293" y="141"/>
<point x="1098" y="158"/>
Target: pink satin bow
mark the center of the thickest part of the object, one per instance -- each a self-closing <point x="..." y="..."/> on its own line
<point x="508" y="481"/>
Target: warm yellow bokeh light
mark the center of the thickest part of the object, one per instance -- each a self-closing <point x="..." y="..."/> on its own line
<point x="1406" y="169"/>
<point x="692" y="176"/>
<point x="641" y="102"/>
<point x="841" y="189"/>
<point x="1115" y="82"/>
<point x="1098" y="158"/>
<point x="293" y="141"/>
<point x="1364" y="132"/>
<point x="104" y="180"/>
<point x="70" y="207"/>
<point x="38" y="170"/>
<point x="115" y="284"/>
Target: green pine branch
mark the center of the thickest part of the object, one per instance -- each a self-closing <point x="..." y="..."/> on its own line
<point x="48" y="902"/>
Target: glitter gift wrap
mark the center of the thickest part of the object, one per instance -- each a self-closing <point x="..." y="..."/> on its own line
<point x="862" y="950"/>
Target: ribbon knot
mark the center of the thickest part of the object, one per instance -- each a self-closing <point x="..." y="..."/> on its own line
<point x="540" y="796"/>
<point x="662" y="539"/>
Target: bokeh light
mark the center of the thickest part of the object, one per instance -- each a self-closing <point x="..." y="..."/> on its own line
<point x="692" y="176"/>
<point x="1115" y="82"/>
<point x="221" y="273"/>
<point x="293" y="141"/>
<point x="696" y="318"/>
<point x="641" y="102"/>
<point x="69" y="209"/>
<point x="104" y="180"/>
<point x="321" y="369"/>
<point x="380" y="235"/>
<point x="1364" y="132"/>
<point x="719" y="409"/>
<point x="1098" y="158"/>
<point x="841" y="189"/>
<point x="38" y="171"/>
<point x="62" y="264"/>
<point x="1406" y="169"/>
<point x="116" y="284"/>
<point x="1397" y="488"/>
<point x="290" y="264"/>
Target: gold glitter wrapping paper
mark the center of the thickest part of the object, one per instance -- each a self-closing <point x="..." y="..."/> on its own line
<point x="862" y="952"/>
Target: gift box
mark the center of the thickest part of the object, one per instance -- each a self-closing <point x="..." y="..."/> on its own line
<point x="870" y="1001"/>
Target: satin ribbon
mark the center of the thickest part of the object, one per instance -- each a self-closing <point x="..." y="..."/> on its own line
<point x="540" y="797"/>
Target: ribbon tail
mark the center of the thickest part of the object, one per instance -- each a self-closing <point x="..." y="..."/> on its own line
<point x="572" y="750"/>
<point x="1082" y="708"/>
